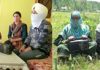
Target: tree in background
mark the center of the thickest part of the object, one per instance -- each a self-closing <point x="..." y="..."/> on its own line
<point x="81" y="5"/>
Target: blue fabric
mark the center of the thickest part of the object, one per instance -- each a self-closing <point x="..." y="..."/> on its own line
<point x="75" y="23"/>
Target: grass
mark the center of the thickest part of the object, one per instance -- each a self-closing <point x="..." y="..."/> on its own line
<point x="61" y="19"/>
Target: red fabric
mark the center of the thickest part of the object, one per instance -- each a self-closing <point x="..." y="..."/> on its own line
<point x="40" y="64"/>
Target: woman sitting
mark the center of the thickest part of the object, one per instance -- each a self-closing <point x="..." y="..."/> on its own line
<point x="17" y="31"/>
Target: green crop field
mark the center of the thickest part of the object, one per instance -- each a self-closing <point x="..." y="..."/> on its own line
<point x="61" y="19"/>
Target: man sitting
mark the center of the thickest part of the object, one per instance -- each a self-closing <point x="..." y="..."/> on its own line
<point x="39" y="41"/>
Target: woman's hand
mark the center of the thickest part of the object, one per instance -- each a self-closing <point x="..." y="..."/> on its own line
<point x="27" y="49"/>
<point x="84" y="37"/>
<point x="71" y="38"/>
<point x="22" y="49"/>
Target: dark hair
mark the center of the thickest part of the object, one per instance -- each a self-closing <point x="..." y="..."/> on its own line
<point x="17" y="12"/>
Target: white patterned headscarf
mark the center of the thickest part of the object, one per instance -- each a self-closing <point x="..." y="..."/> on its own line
<point x="42" y="12"/>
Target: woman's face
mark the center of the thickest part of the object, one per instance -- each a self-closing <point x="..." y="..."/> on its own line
<point x="16" y="18"/>
<point x="75" y="18"/>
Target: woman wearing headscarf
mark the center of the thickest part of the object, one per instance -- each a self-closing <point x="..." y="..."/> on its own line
<point x="73" y="31"/>
<point x="38" y="43"/>
<point x="17" y="31"/>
